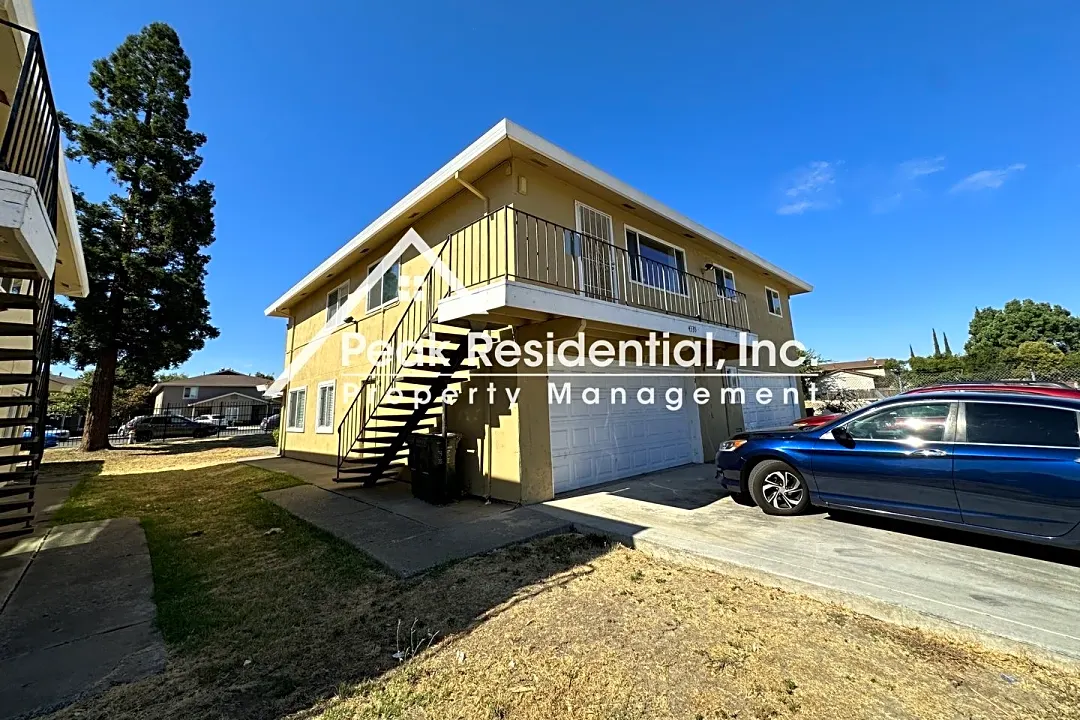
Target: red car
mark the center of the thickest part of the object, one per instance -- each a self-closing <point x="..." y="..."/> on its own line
<point x="1051" y="389"/>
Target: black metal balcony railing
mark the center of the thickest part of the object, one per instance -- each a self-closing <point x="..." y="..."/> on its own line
<point x="513" y="244"/>
<point x="31" y="145"/>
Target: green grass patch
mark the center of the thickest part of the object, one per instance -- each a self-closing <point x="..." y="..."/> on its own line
<point x="218" y="549"/>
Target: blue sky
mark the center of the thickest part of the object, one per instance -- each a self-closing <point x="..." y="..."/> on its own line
<point x="911" y="162"/>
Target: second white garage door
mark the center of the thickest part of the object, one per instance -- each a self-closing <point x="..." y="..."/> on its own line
<point x="777" y="413"/>
<point x="593" y="444"/>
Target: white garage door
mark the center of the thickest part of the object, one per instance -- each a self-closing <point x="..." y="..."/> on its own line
<point x="602" y="442"/>
<point x="779" y="412"/>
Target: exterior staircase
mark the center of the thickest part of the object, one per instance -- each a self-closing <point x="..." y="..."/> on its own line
<point x="404" y="395"/>
<point x="25" y="338"/>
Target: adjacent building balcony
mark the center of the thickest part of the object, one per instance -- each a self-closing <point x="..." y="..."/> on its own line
<point x="512" y="264"/>
<point x="30" y="165"/>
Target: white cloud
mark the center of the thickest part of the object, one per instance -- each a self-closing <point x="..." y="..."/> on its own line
<point x="987" y="179"/>
<point x="809" y="188"/>
<point x="913" y="169"/>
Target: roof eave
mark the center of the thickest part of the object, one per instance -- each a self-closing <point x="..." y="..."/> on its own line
<point x="507" y="129"/>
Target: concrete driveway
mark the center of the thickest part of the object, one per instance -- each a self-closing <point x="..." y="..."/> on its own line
<point x="904" y="572"/>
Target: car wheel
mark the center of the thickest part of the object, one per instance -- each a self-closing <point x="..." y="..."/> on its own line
<point x="778" y="488"/>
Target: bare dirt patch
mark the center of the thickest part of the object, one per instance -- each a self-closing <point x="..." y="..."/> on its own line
<point x="159" y="457"/>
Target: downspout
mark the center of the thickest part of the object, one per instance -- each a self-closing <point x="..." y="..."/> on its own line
<point x="472" y="188"/>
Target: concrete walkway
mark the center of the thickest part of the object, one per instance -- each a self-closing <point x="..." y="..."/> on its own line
<point x="407" y="535"/>
<point x="901" y="572"/>
<point x="80" y="619"/>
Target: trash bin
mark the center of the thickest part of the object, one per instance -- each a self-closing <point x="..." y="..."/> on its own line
<point x="434" y="474"/>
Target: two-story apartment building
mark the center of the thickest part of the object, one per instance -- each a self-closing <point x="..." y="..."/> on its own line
<point x="530" y="243"/>
<point x="40" y="255"/>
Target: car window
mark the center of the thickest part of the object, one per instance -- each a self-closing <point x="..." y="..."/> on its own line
<point x="1005" y="424"/>
<point x="178" y="421"/>
<point x="922" y="422"/>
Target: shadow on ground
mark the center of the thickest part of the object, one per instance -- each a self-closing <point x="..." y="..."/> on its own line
<point x="966" y="538"/>
<point x="264" y="615"/>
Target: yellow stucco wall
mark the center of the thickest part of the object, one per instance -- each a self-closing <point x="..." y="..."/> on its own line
<point x="505" y="451"/>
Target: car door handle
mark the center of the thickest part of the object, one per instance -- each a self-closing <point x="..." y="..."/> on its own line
<point x="926" y="452"/>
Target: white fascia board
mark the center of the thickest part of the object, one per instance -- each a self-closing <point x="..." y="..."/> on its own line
<point x="66" y="205"/>
<point x="442" y="176"/>
<point x="579" y="166"/>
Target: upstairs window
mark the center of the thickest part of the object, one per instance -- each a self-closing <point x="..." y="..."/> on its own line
<point x="385" y="289"/>
<point x="725" y="282"/>
<point x="773" y="299"/>
<point x="335" y="299"/>
<point x="655" y="263"/>
<point x="191" y="393"/>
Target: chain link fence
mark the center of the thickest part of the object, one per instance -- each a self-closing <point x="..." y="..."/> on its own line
<point x="834" y="393"/>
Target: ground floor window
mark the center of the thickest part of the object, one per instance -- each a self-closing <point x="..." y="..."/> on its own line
<point x="297" y="410"/>
<point x="324" y="408"/>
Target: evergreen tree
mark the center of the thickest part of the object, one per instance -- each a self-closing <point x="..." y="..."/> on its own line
<point x="937" y="348"/>
<point x="948" y="350"/>
<point x="911" y="350"/>
<point x="147" y="308"/>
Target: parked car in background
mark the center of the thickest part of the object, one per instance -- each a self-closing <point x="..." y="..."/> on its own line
<point x="160" y="427"/>
<point x="1002" y="463"/>
<point x="270" y="422"/>
<point x="1033" y="388"/>
<point x="219" y="420"/>
<point x="58" y="433"/>
<point x="50" y="439"/>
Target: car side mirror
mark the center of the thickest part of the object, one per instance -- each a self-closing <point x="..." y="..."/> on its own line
<point x="842" y="436"/>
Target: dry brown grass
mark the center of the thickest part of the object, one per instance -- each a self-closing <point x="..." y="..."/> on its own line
<point x="266" y="616"/>
<point x="625" y="636"/>
<point x="161" y="457"/>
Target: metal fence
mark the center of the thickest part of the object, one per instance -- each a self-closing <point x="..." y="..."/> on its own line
<point x="213" y="419"/>
<point x="834" y="396"/>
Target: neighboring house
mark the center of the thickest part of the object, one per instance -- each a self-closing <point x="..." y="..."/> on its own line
<point x="862" y="376"/>
<point x="40" y="255"/>
<point x="237" y="396"/>
<point x="59" y="383"/>
<point x="546" y="243"/>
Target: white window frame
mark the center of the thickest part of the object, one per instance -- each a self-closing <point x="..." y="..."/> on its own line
<point x="721" y="288"/>
<point x="641" y="268"/>
<point x="194" y="395"/>
<point x="341" y="300"/>
<point x="289" y="408"/>
<point x="385" y="303"/>
<point x="320" y="426"/>
<point x="768" y="302"/>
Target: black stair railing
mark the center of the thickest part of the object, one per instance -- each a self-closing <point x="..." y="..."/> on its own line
<point x="31" y="144"/>
<point x="415" y="325"/>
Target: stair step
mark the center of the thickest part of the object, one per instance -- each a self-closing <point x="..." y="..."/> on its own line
<point x="11" y="328"/>
<point x="17" y="401"/>
<point x="450" y="327"/>
<point x="12" y="505"/>
<point x="14" y="301"/>
<point x="17" y="532"/>
<point x="18" y="378"/>
<point x="8" y="442"/>
<point x="17" y="422"/>
<point x="17" y="489"/>
<point x="10" y="270"/>
<point x="16" y="519"/>
<point x="16" y="354"/>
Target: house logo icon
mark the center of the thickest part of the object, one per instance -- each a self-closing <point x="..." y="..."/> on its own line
<point x="359" y="295"/>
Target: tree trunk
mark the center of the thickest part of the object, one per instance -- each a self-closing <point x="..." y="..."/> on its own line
<point x="99" y="412"/>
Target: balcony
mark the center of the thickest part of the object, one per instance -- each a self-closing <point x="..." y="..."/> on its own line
<point x="29" y="153"/>
<point x="515" y="259"/>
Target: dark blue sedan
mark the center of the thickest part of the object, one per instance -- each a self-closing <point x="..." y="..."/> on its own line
<point x="996" y="463"/>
